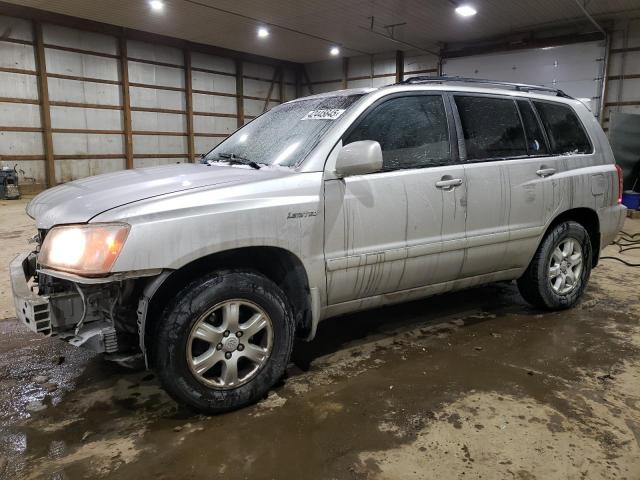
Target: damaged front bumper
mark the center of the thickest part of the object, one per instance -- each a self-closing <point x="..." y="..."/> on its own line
<point x="82" y="315"/>
<point x="31" y="308"/>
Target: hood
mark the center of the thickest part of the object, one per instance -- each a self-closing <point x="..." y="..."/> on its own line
<point x="81" y="200"/>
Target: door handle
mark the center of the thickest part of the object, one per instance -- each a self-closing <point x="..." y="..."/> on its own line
<point x="448" y="183"/>
<point x="545" y="172"/>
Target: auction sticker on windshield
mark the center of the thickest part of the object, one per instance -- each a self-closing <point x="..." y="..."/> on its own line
<point x="324" y="114"/>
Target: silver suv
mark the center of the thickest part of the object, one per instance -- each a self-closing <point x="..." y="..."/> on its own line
<point x="325" y="205"/>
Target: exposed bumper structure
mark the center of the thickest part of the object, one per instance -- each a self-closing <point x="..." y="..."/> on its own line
<point x="32" y="309"/>
<point x="64" y="314"/>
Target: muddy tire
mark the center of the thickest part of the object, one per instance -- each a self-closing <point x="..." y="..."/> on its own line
<point x="224" y="341"/>
<point x="559" y="271"/>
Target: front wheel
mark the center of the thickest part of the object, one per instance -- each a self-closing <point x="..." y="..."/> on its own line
<point x="559" y="271"/>
<point x="224" y="341"/>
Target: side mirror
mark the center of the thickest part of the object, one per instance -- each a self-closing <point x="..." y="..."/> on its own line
<point x="359" y="158"/>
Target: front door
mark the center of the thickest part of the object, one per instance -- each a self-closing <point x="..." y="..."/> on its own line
<point x="403" y="227"/>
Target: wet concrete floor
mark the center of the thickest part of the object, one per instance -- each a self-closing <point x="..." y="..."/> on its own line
<point x="474" y="384"/>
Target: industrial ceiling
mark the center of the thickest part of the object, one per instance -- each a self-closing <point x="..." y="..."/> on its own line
<point x="305" y="30"/>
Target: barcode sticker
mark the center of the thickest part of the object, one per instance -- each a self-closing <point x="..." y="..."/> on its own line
<point x="324" y="114"/>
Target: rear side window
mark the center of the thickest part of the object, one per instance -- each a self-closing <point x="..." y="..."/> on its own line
<point x="412" y="132"/>
<point x="536" y="143"/>
<point x="492" y="127"/>
<point x="566" y="134"/>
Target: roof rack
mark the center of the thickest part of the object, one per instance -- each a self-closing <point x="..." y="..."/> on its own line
<point x="520" y="87"/>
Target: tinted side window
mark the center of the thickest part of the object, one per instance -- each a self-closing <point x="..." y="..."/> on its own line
<point x="535" y="138"/>
<point x="412" y="132"/>
<point x="565" y="131"/>
<point x="492" y="127"/>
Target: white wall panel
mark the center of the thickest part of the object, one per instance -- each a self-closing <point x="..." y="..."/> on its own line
<point x="151" y="144"/>
<point x="384" y="64"/>
<point x="360" y="66"/>
<point x="63" y="90"/>
<point x="214" y="124"/>
<point x="419" y="61"/>
<point x="257" y="70"/>
<point x="19" y="114"/>
<point x="81" y="65"/>
<point x="325" y="70"/>
<point x="156" y="75"/>
<point x="15" y="55"/>
<point x="258" y="88"/>
<point x="256" y="107"/>
<point x="87" y="143"/>
<point x="631" y="61"/>
<point x="210" y="62"/>
<point x="20" y="143"/>
<point x="16" y="85"/>
<point x="204" y="144"/>
<point x="148" y="97"/>
<point x="155" y="52"/>
<point x="366" y="83"/>
<point x="89" y="118"/>
<point x="289" y="92"/>
<point x="214" y="104"/>
<point x="323" y="87"/>
<point x="212" y="82"/>
<point x="68" y="170"/>
<point x="158" y="122"/>
<point x="73" y="38"/>
<point x="17" y="28"/>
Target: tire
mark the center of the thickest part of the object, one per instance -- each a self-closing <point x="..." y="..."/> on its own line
<point x="205" y="309"/>
<point x="539" y="287"/>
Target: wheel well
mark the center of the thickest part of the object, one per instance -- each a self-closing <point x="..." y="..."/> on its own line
<point x="589" y="220"/>
<point x="279" y="265"/>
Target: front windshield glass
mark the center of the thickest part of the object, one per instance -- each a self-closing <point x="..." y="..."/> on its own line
<point x="284" y="135"/>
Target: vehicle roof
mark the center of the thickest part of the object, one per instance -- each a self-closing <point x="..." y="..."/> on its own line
<point x="446" y="88"/>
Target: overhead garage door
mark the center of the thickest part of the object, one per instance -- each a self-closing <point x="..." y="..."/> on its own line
<point x="575" y="69"/>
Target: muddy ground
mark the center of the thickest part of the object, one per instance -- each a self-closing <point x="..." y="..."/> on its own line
<point x="474" y="384"/>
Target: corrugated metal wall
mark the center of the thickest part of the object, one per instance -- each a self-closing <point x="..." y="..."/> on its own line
<point x="75" y="103"/>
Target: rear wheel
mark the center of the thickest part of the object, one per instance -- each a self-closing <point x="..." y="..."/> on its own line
<point x="224" y="341"/>
<point x="559" y="272"/>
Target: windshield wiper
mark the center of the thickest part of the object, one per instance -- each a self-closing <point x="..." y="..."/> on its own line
<point x="233" y="159"/>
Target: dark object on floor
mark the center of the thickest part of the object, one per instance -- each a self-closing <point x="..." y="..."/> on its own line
<point x="9" y="184"/>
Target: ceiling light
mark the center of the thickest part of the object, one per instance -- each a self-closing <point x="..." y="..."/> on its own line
<point x="263" y="32"/>
<point x="466" y="11"/>
<point x="156" y="5"/>
<point x="334" y="51"/>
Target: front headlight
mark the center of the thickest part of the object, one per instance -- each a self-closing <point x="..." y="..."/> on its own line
<point x="88" y="250"/>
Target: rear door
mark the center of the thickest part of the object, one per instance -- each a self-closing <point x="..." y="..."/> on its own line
<point x="569" y="151"/>
<point x="403" y="227"/>
<point x="505" y="205"/>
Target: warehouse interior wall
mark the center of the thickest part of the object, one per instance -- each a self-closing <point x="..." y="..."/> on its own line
<point x="576" y="68"/>
<point x="622" y="92"/>
<point x="75" y="103"/>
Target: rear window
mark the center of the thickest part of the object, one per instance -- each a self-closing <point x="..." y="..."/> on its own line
<point x="566" y="133"/>
<point x="492" y="127"/>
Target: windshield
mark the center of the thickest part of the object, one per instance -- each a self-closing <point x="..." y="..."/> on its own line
<point x="284" y="135"/>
